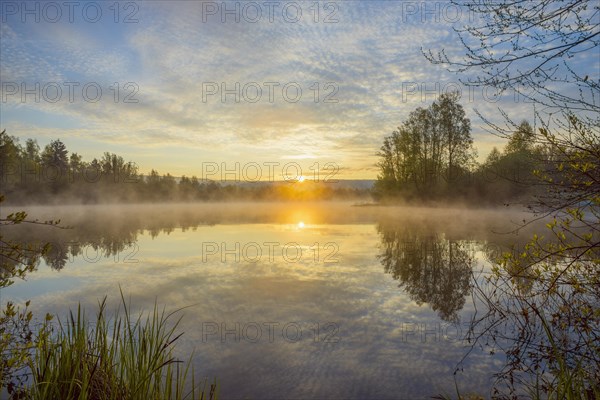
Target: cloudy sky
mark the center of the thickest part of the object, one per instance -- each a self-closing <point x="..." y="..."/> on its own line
<point x="173" y="85"/>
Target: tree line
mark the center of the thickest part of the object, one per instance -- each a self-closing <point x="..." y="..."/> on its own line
<point x="50" y="175"/>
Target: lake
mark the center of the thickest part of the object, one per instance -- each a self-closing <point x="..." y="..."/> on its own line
<point x="287" y="300"/>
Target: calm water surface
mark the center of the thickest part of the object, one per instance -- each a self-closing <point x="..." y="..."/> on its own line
<point x="287" y="300"/>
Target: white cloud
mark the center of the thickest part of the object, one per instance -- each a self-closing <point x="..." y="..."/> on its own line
<point x="368" y="54"/>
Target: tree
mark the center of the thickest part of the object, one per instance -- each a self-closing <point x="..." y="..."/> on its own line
<point x="75" y="164"/>
<point x="55" y="165"/>
<point x="387" y="181"/>
<point x="550" y="288"/>
<point x="9" y="148"/>
<point x="32" y="151"/>
<point x="492" y="158"/>
<point x="522" y="140"/>
<point x="188" y="188"/>
<point x="455" y="131"/>
<point x="10" y="161"/>
<point x="56" y="155"/>
<point x="511" y="171"/>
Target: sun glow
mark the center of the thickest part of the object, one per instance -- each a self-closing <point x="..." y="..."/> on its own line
<point x="301" y="179"/>
<point x="300" y="224"/>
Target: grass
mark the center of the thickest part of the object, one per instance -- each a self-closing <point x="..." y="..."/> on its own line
<point x="118" y="358"/>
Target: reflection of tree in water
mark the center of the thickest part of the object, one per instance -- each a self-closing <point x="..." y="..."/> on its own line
<point x="92" y="245"/>
<point x="57" y="257"/>
<point x="431" y="268"/>
<point x="102" y="236"/>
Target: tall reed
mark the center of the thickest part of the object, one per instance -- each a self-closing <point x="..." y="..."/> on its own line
<point x="122" y="357"/>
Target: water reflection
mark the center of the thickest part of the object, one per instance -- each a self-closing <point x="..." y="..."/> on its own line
<point x="379" y="354"/>
<point x="430" y="267"/>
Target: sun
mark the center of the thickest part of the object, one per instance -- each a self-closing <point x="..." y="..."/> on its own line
<point x="301" y="224"/>
<point x="301" y="179"/>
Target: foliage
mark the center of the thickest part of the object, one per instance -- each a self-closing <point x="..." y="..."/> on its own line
<point x="507" y="176"/>
<point x="418" y="163"/>
<point x="554" y="283"/>
<point x="428" y="153"/>
<point x="16" y="343"/>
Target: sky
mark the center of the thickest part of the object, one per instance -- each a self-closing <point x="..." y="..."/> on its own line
<point x="184" y="86"/>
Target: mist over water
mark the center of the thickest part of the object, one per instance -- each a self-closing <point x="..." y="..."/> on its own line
<point x="294" y="300"/>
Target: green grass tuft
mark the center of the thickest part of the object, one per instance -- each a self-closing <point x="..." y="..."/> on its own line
<point x="124" y="357"/>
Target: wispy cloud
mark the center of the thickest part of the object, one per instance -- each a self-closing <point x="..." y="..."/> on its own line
<point x="361" y="63"/>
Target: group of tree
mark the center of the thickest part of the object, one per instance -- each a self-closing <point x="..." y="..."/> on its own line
<point x="430" y="150"/>
<point x="431" y="157"/>
<point x="29" y="174"/>
<point x="53" y="176"/>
